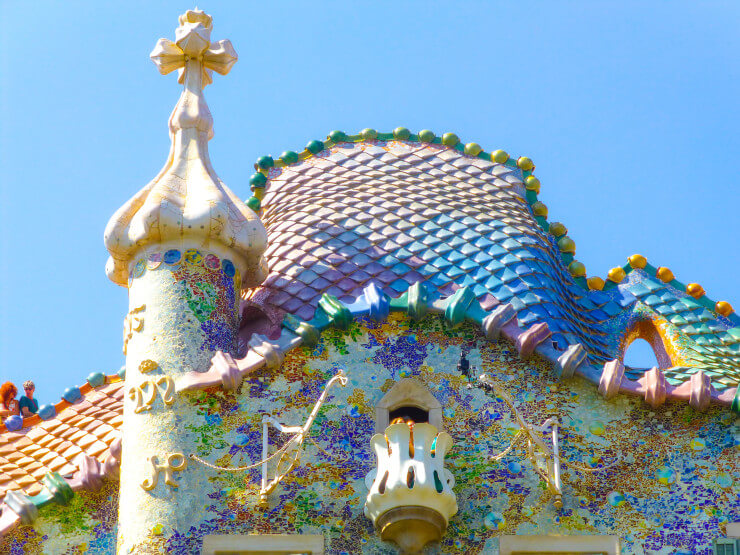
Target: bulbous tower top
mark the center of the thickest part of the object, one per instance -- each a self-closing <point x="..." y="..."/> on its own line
<point x="187" y="202"/>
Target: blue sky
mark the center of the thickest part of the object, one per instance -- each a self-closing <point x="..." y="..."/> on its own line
<point x="628" y="110"/>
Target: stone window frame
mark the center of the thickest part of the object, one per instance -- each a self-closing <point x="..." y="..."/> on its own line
<point x="262" y="544"/>
<point x="551" y="544"/>
<point x="408" y="392"/>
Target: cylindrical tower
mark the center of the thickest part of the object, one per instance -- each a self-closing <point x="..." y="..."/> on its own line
<point x="184" y="246"/>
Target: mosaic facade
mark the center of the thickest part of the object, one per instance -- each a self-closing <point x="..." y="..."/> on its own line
<point x="390" y="256"/>
<point x="672" y="484"/>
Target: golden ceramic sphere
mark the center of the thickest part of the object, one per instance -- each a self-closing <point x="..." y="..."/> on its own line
<point x="616" y="274"/>
<point x="724" y="308"/>
<point x="695" y="290"/>
<point x="558" y="229"/>
<point x="499" y="156"/>
<point x="577" y="269"/>
<point x="525" y="164"/>
<point x="595" y="283"/>
<point x="664" y="274"/>
<point x="539" y="209"/>
<point x="566" y="244"/>
<point x="532" y="184"/>
<point x="637" y="261"/>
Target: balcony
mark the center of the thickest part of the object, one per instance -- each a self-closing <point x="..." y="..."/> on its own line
<point x="411" y="498"/>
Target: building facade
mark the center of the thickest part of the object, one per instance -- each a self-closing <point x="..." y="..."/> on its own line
<point x="387" y="348"/>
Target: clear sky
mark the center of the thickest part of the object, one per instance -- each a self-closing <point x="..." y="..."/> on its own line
<point x="628" y="109"/>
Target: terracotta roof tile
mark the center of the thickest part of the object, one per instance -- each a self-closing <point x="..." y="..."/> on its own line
<point x="48" y="457"/>
<point x="108" y="403"/>
<point x="86" y="441"/>
<point x="96" y="448"/>
<point x="85" y="422"/>
<point x="35" y="434"/>
<point x="57" y="463"/>
<point x="67" y="415"/>
<point x="34" y="489"/>
<point x="31" y="450"/>
<point x="13" y="457"/>
<point x="16" y="473"/>
<point x="75" y="419"/>
<point x="68" y="470"/>
<point x="111" y="436"/>
<point x="54" y="443"/>
<point x="81" y="406"/>
<point x="71" y="452"/>
<point x="26" y="480"/>
<point x="102" y="430"/>
<point x="50" y="425"/>
<point x="45" y="440"/>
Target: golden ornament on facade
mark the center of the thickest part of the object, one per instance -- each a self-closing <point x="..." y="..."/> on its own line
<point x="637" y="261"/>
<point x="595" y="283"/>
<point x="695" y="290"/>
<point x="147" y="366"/>
<point x="664" y="274"/>
<point x="616" y="274"/>
<point x="176" y="462"/>
<point x="724" y="308"/>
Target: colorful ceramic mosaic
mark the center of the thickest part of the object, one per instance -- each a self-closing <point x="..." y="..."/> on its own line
<point x="209" y="284"/>
<point x="339" y="219"/>
<point x="673" y="457"/>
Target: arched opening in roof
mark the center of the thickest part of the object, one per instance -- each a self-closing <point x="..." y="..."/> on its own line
<point x="640" y="354"/>
<point x="644" y="347"/>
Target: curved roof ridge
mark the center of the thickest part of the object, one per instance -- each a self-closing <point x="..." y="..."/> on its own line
<point x="566" y="245"/>
<point x="419" y="300"/>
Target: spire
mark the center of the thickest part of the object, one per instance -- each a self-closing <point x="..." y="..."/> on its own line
<point x="187" y="202"/>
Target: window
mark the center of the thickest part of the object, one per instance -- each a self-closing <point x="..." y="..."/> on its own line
<point x="264" y="544"/>
<point x="560" y="545"/>
<point x="411" y="399"/>
<point x="726" y="546"/>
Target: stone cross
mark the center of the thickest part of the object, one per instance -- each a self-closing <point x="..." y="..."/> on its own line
<point x="193" y="50"/>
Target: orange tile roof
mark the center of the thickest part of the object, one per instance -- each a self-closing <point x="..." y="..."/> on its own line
<point x="87" y="426"/>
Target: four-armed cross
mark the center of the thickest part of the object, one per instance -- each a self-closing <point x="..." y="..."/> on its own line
<point x="193" y="49"/>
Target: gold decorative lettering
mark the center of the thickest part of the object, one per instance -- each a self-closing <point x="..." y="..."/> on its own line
<point x="169" y="392"/>
<point x="175" y="462"/>
<point x="134" y="322"/>
<point x="145" y="393"/>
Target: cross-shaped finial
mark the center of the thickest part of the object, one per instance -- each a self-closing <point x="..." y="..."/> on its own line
<point x="193" y="43"/>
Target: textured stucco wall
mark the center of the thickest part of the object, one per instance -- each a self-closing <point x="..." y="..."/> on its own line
<point x="674" y="487"/>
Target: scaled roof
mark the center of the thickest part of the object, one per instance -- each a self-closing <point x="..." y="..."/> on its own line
<point x="395" y="209"/>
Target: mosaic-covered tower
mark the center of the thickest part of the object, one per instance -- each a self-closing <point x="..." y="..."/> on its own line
<point x="184" y="246"/>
